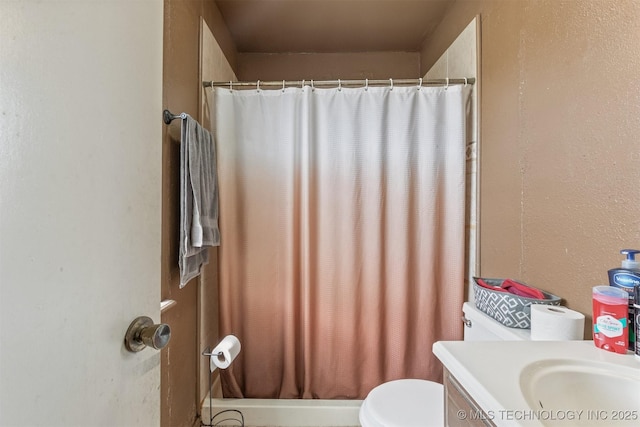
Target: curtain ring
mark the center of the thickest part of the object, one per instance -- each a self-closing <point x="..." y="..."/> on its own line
<point x="339" y="86"/>
<point x="390" y="84"/>
<point x="283" y="86"/>
<point x="258" y="85"/>
<point x="230" y="85"/>
<point x="312" y="87"/>
<point x="447" y="85"/>
<point x="465" y="82"/>
<point x="366" y="84"/>
<point x="420" y="84"/>
<point x="302" y="85"/>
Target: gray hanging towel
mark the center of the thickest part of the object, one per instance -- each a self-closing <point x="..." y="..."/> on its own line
<point x="198" y="199"/>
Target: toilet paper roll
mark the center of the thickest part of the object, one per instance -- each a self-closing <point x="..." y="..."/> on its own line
<point x="224" y="353"/>
<point x="555" y="323"/>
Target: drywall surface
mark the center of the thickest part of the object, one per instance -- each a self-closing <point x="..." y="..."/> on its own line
<point x="560" y="157"/>
<point x="182" y="92"/>
<point x="328" y="66"/>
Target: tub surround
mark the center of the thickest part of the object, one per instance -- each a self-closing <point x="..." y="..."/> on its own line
<point x="490" y="372"/>
<point x="288" y="412"/>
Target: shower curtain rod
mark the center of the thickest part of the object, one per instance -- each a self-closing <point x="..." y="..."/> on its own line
<point x="342" y="83"/>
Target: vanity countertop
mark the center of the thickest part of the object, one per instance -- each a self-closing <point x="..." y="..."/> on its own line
<point x="490" y="372"/>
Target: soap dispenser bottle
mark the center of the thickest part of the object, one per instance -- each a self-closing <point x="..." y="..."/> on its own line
<point x="627" y="278"/>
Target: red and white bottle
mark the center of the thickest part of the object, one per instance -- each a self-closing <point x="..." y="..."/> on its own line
<point x="610" y="319"/>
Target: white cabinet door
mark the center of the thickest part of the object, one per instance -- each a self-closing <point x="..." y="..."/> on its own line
<point x="80" y="197"/>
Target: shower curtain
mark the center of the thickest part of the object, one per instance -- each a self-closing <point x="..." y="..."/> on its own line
<point x="342" y="235"/>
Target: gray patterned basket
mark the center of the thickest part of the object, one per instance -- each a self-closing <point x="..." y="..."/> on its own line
<point x="510" y="310"/>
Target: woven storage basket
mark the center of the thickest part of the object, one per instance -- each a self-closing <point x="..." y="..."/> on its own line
<point x="508" y="309"/>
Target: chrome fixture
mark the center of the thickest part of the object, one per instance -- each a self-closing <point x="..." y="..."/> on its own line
<point x="143" y="333"/>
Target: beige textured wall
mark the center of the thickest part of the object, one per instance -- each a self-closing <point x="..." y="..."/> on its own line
<point x="559" y="154"/>
<point x="328" y="66"/>
<point x="181" y="377"/>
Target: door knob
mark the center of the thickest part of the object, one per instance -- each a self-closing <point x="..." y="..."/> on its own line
<point x="143" y="333"/>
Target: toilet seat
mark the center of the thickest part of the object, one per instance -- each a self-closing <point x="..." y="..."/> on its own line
<point x="404" y="403"/>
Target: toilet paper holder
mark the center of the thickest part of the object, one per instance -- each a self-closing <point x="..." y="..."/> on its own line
<point x="209" y="352"/>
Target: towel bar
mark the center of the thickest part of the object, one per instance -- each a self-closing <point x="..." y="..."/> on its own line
<point x="168" y="117"/>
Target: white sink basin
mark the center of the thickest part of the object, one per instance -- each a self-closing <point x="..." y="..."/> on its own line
<point x="581" y="392"/>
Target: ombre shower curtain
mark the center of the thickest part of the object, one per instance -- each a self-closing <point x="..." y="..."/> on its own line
<point x="342" y="235"/>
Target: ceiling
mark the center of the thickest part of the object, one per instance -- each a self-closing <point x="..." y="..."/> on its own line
<point x="295" y="26"/>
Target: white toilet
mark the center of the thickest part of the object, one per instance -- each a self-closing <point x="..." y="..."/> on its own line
<point x="420" y="403"/>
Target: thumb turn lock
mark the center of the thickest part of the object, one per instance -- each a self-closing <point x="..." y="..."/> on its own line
<point x="143" y="333"/>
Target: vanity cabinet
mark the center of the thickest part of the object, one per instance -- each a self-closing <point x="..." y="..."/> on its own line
<point x="460" y="408"/>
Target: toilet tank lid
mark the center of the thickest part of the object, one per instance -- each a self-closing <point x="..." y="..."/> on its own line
<point x="471" y="312"/>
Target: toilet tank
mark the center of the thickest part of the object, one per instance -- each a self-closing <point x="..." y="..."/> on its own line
<point x="480" y="327"/>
